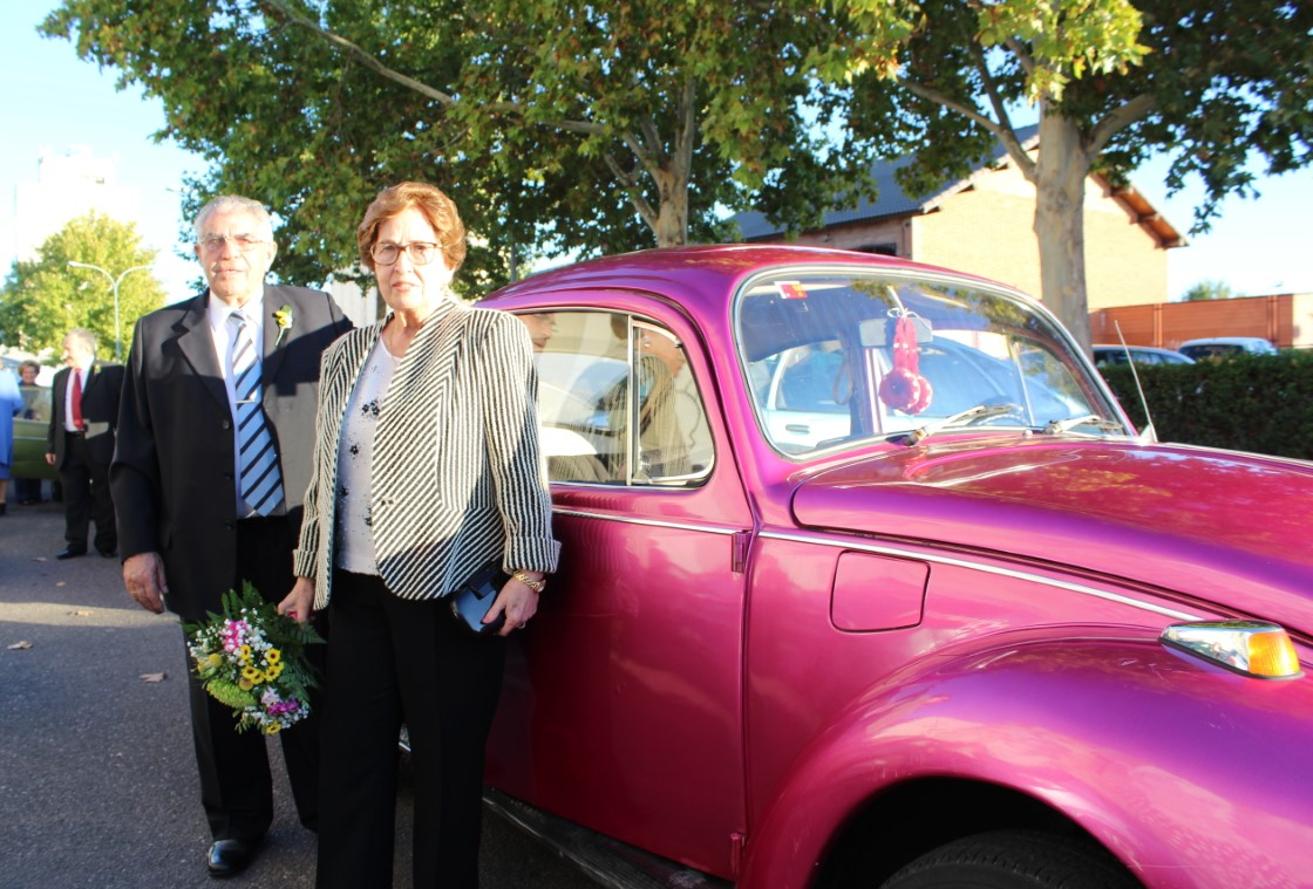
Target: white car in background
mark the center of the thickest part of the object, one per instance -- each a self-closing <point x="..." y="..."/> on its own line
<point x="1226" y="347"/>
<point x="1113" y="353"/>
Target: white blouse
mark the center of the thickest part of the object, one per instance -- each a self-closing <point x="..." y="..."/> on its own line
<point x="354" y="540"/>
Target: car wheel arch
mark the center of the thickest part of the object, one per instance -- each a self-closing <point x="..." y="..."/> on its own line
<point x="887" y="739"/>
<point x="902" y="822"/>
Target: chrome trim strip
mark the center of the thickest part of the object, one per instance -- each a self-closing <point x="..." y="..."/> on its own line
<point x="988" y="569"/>
<point x="655" y="523"/>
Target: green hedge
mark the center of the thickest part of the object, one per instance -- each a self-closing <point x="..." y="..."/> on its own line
<point x="1254" y="403"/>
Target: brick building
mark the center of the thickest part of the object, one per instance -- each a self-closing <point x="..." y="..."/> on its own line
<point x="983" y="224"/>
<point x="1283" y="319"/>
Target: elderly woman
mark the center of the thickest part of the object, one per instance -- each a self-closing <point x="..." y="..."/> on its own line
<point x="426" y="470"/>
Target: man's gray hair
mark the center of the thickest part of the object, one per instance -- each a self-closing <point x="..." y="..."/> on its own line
<point x="84" y="336"/>
<point x="233" y="203"/>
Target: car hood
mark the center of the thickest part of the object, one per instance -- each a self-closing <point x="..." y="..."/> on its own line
<point x="1217" y="526"/>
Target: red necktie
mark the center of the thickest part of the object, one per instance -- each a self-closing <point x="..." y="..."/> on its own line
<point x="77" y="401"/>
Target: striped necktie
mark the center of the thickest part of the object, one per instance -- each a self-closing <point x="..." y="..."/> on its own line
<point x="260" y="481"/>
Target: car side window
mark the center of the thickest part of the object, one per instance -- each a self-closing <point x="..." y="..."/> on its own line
<point x="37" y="403"/>
<point x="673" y="443"/>
<point x="582" y="373"/>
<point x="589" y="365"/>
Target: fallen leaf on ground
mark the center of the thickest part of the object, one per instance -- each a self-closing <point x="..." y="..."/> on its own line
<point x="81" y="613"/>
<point x="59" y="583"/>
<point x="153" y="677"/>
<point x="20" y="645"/>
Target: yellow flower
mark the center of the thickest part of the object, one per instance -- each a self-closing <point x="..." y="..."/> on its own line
<point x="253" y="674"/>
<point x="272" y="728"/>
<point x="245" y="684"/>
<point x="273" y="671"/>
<point x="244" y="653"/>
<point x="273" y="656"/>
<point x="283" y="318"/>
<point x="214" y="661"/>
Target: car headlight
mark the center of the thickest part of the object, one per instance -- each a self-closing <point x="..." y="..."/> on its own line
<point x="1254" y="648"/>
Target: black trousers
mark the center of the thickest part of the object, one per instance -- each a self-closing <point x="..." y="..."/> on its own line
<point x="27" y="490"/>
<point x="236" y="785"/>
<point x="392" y="659"/>
<point x="86" y="497"/>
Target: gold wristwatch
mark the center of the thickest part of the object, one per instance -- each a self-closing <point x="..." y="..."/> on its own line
<point x="537" y="584"/>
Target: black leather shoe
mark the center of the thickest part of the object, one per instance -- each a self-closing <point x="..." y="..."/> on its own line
<point x="71" y="552"/>
<point x="228" y="858"/>
<point x="108" y="553"/>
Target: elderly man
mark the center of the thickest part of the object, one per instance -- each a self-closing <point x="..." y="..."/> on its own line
<point x="80" y="443"/>
<point x="213" y="457"/>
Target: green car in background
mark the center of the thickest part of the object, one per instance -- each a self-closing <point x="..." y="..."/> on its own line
<point x="31" y="428"/>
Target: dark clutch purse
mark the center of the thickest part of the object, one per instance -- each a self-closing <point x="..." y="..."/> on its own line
<point x="473" y="599"/>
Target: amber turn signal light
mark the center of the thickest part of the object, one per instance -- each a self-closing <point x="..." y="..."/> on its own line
<point x="1254" y="648"/>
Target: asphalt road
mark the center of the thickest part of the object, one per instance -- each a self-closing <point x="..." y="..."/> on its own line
<point x="98" y="783"/>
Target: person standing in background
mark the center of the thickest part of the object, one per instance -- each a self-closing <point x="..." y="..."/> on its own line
<point x="28" y="490"/>
<point x="213" y="456"/>
<point x="11" y="403"/>
<point x="80" y="443"/>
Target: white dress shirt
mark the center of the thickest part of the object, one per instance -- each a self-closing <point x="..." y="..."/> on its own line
<point x="355" y="454"/>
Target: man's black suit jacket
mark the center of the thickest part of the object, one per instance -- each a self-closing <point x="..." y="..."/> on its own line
<point x="172" y="475"/>
<point x="100" y="411"/>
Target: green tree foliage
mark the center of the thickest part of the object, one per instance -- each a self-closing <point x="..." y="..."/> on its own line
<point x="1113" y="81"/>
<point x="573" y="126"/>
<point x="44" y="298"/>
<point x="1208" y="290"/>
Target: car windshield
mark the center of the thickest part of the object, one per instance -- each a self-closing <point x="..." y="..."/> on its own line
<point x="833" y="358"/>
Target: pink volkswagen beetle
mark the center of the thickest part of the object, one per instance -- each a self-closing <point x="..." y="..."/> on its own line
<point x="868" y="581"/>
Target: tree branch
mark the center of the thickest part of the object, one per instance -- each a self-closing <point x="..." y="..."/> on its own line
<point x="937" y="97"/>
<point x="631" y="187"/>
<point x="686" y="136"/>
<point x="363" y="57"/>
<point x="1117" y="119"/>
<point x="369" y="61"/>
<point x="1023" y="56"/>
<point x="652" y="139"/>
<point x="1005" y="132"/>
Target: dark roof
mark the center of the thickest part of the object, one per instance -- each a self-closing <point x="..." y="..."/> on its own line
<point x="890" y="200"/>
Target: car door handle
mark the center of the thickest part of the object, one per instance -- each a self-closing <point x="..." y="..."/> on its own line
<point x="797" y="427"/>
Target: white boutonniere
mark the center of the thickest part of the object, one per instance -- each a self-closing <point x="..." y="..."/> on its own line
<point x="283" y="318"/>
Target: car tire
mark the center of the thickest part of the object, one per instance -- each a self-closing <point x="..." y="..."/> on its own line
<point x="1013" y="860"/>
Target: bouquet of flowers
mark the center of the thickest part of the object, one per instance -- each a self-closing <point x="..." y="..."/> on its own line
<point x="252" y="659"/>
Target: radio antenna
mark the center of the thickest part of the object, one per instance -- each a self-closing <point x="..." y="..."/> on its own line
<point x="1148" y="435"/>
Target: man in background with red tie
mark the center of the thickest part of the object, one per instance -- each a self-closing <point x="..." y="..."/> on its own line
<point x="80" y="443"/>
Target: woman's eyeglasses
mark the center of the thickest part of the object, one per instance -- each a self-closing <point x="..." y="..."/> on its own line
<point x="420" y="252"/>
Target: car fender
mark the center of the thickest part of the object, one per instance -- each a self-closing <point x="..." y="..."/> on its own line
<point x="1192" y="775"/>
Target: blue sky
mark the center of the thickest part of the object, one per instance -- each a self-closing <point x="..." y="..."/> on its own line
<point x="54" y="101"/>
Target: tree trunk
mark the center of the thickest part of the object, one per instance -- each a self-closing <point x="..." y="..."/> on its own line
<point x="1060" y="172"/>
<point x="671" y="228"/>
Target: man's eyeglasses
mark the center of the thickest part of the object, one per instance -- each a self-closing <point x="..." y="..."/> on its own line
<point x="421" y="252"/>
<point x="244" y="243"/>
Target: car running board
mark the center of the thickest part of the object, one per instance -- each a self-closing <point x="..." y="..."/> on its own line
<point x="611" y="863"/>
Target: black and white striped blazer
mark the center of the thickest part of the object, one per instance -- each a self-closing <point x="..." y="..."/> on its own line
<point x="457" y="476"/>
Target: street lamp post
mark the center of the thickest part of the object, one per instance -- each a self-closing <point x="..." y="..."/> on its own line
<point x="114" y="286"/>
